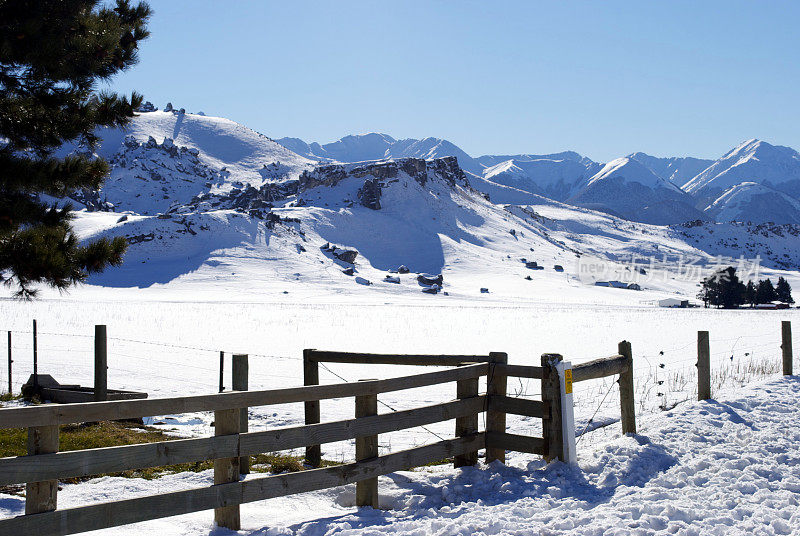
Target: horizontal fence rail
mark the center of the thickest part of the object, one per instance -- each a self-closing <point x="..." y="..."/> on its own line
<point x="521" y="371"/>
<point x="600" y="368"/>
<point x="517" y="443"/>
<point x="117" y="513"/>
<point x="394" y="359"/>
<point x="520" y="406"/>
<point x="82" y="463"/>
<point x="52" y="414"/>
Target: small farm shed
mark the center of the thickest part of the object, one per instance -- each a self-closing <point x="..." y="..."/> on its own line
<point x="673" y="302"/>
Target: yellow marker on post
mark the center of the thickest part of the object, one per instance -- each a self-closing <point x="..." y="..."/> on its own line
<point x="568" y="381"/>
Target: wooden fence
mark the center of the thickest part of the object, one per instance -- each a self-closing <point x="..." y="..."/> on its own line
<point x="44" y="464"/>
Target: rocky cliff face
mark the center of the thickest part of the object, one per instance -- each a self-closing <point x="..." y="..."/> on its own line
<point x="377" y="175"/>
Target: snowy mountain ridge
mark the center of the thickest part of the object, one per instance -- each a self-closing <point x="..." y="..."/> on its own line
<point x="627" y="188"/>
<point x="561" y="176"/>
<point x="197" y="217"/>
<point x="752" y="161"/>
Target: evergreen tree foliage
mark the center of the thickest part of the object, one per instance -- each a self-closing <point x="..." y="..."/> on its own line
<point x="766" y="292"/>
<point x="723" y="289"/>
<point x="52" y="55"/>
<point x="750" y="294"/>
<point x="784" y="291"/>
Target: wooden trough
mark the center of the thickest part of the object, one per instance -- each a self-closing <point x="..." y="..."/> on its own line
<point x="48" y="389"/>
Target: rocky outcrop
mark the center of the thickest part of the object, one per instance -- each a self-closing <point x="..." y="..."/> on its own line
<point x="377" y="175"/>
<point x="370" y="194"/>
<point x="429" y="279"/>
<point x="345" y="255"/>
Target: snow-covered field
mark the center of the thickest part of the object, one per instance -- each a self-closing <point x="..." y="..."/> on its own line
<point x="171" y="348"/>
<point x="726" y="466"/>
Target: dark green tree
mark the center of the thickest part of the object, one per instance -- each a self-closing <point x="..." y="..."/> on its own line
<point x="766" y="292"/>
<point x="723" y="289"/>
<point x="750" y="294"/>
<point x="53" y="53"/>
<point x="709" y="291"/>
<point x="784" y="291"/>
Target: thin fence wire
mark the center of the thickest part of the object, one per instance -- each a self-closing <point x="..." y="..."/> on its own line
<point x="322" y="365"/>
<point x="662" y="379"/>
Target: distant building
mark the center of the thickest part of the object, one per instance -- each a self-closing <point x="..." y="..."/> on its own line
<point x="673" y="302"/>
<point x="617" y="284"/>
<point x="772" y="305"/>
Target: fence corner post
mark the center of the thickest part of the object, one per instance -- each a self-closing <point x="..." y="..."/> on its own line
<point x="626" y="392"/>
<point x="226" y="470"/>
<point x="468" y="424"/>
<point x="240" y="371"/>
<point x="42" y="496"/>
<point x="552" y="431"/>
<point x="569" y="453"/>
<point x="10" y="362"/>
<point x="221" y="371"/>
<point x="312" y="416"/>
<point x="496" y="385"/>
<point x="100" y="363"/>
<point x="703" y="366"/>
<point x="367" y="448"/>
<point x="786" y="346"/>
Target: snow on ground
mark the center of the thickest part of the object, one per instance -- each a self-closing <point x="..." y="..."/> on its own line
<point x="719" y="467"/>
<point x="170" y="348"/>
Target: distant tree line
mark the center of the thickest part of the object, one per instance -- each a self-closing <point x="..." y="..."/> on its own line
<point x="724" y="289"/>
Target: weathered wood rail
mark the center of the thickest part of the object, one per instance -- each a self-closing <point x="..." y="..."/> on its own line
<point x="622" y="365"/>
<point x="44" y="465"/>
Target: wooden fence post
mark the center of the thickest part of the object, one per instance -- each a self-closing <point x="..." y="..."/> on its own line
<point x="226" y="422"/>
<point x="367" y="448"/>
<point x="240" y="370"/>
<point x="496" y="385"/>
<point x="703" y="366"/>
<point x="10" y="361"/>
<point x="468" y="424"/>
<point x="221" y="371"/>
<point x="311" y="377"/>
<point x="626" y="395"/>
<point x="551" y="395"/>
<point x="41" y="496"/>
<point x="786" y="346"/>
<point x="100" y="364"/>
<point x="35" y="361"/>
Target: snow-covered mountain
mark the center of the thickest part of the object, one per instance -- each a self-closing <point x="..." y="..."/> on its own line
<point x="207" y="203"/>
<point x="221" y="143"/>
<point x="753" y="202"/>
<point x="677" y="170"/>
<point x="626" y="188"/>
<point x="165" y="159"/>
<point x="376" y="146"/>
<point x="557" y="176"/>
<point x="753" y="161"/>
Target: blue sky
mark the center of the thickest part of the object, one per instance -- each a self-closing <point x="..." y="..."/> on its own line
<point x="602" y="78"/>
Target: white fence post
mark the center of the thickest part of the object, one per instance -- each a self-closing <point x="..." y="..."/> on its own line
<point x="567" y="413"/>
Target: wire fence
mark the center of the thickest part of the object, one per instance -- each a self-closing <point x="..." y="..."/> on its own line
<point x="663" y="378"/>
<point x="669" y="377"/>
